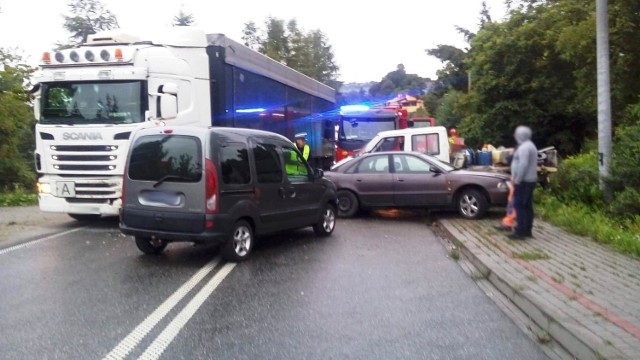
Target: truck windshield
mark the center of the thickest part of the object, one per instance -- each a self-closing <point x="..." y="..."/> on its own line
<point x="73" y="103"/>
<point x="363" y="129"/>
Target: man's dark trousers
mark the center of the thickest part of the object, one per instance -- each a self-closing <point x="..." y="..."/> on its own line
<point x="523" y="203"/>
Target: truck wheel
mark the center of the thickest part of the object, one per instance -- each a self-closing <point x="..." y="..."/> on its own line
<point x="327" y="221"/>
<point x="239" y="246"/>
<point x="85" y="217"/>
<point x="472" y="204"/>
<point x="150" y="245"/>
<point x="347" y="204"/>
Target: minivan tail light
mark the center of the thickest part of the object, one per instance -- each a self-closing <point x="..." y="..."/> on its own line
<point x="211" y="179"/>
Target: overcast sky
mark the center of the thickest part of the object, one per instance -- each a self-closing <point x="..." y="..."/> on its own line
<point x="369" y="38"/>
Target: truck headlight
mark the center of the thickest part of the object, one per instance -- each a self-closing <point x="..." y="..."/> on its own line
<point x="44" y="188"/>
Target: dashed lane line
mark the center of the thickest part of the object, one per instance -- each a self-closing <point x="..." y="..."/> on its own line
<point x="37" y="241"/>
<point x="158" y="346"/>
<point x="134" y="338"/>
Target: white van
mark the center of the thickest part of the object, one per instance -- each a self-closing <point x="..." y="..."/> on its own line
<point x="427" y="140"/>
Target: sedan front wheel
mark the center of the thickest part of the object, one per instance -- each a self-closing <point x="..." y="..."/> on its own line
<point x="472" y="204"/>
<point x="347" y="204"/>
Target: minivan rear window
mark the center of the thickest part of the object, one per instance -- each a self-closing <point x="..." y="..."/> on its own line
<point x="176" y="158"/>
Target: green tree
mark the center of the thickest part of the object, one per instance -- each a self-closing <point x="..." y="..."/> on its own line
<point x="87" y="17"/>
<point x="308" y="52"/>
<point x="396" y="82"/>
<point x="250" y="35"/>
<point x="276" y="43"/>
<point x="16" y="122"/>
<point x="183" y="18"/>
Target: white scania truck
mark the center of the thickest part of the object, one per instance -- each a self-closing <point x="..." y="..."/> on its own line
<point x="90" y="99"/>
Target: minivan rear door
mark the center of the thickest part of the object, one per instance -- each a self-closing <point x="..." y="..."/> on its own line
<point x="165" y="184"/>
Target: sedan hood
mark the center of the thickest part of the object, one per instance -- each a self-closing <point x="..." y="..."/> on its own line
<point x="489" y="174"/>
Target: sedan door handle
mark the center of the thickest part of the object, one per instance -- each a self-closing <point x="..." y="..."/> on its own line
<point x="400" y="180"/>
<point x="359" y="180"/>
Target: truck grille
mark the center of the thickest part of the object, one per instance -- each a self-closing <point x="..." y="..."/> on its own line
<point x="83" y="159"/>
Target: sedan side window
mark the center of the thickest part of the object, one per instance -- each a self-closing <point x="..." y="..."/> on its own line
<point x="374" y="165"/>
<point x="410" y="164"/>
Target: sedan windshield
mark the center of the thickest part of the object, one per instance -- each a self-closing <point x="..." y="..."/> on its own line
<point x="441" y="164"/>
<point x="74" y="103"/>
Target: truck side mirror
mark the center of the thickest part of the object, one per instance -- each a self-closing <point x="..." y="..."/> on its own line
<point x="37" y="107"/>
<point x="170" y="88"/>
<point x="168" y="106"/>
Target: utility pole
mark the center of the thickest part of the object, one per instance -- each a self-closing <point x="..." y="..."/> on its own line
<point x="604" y="96"/>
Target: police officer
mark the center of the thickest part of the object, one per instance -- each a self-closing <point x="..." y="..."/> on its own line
<point x="301" y="143"/>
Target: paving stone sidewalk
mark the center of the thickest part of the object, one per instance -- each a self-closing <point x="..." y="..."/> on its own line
<point x="583" y="294"/>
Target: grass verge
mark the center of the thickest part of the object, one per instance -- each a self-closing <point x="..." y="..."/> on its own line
<point x="18" y="198"/>
<point x="622" y="234"/>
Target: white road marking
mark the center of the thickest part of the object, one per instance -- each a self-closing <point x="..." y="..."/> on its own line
<point x="134" y="338"/>
<point x="36" y="241"/>
<point x="155" y="350"/>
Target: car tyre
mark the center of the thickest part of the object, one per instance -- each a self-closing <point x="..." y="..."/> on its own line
<point x="149" y="245"/>
<point x="239" y="246"/>
<point x="348" y="204"/>
<point x="472" y="204"/>
<point x="327" y="221"/>
<point x="85" y="217"/>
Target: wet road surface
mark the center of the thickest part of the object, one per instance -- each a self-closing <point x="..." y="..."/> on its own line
<point x="377" y="289"/>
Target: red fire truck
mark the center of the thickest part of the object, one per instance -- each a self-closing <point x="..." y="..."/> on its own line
<point x="359" y="124"/>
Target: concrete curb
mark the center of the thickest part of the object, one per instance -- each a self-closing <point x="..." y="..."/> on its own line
<point x="579" y="343"/>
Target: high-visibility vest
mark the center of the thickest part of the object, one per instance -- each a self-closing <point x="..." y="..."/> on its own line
<point x="305" y="151"/>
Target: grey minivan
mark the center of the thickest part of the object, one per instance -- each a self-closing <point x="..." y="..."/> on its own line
<point x="220" y="185"/>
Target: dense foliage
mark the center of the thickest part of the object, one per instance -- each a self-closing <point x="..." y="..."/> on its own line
<point x="306" y="51"/>
<point x="16" y="123"/>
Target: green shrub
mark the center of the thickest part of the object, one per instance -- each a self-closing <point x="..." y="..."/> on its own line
<point x="577" y="180"/>
<point x="580" y="219"/>
<point x="18" y="199"/>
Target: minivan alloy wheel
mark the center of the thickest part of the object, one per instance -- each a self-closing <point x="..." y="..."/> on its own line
<point x="327" y="222"/>
<point x="328" y="219"/>
<point x="242" y="240"/>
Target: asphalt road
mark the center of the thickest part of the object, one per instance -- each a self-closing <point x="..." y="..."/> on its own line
<point x="377" y="289"/>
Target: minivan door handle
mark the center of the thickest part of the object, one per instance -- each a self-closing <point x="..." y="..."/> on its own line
<point x="286" y="192"/>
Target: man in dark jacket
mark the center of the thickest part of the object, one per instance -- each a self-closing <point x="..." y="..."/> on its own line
<point x="524" y="171"/>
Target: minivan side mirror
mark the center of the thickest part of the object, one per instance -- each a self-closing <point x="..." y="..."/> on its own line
<point x="318" y="173"/>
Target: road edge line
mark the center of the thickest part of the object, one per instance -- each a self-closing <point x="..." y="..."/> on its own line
<point x="37" y="241"/>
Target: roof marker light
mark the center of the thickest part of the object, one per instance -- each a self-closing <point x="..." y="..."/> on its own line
<point x="105" y="55"/>
<point x="59" y="57"/>
<point x="89" y="56"/>
<point x="46" y="57"/>
<point x="74" y="56"/>
<point x="118" y="54"/>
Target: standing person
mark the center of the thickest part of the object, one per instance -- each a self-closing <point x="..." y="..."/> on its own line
<point x="301" y="143"/>
<point x="453" y="136"/>
<point x="524" y="171"/>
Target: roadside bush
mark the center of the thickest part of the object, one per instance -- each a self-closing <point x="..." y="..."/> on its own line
<point x="580" y="219"/>
<point x="625" y="171"/>
<point x="577" y="180"/>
